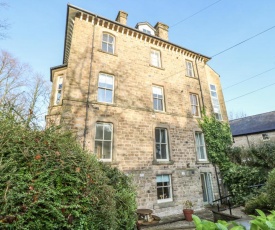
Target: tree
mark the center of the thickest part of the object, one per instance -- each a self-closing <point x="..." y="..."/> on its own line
<point x="236" y="115"/>
<point x="23" y="91"/>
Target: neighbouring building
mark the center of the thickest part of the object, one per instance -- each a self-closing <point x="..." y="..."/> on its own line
<point x="254" y="129"/>
<point x="133" y="99"/>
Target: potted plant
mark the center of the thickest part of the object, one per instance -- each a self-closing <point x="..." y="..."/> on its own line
<point x="187" y="210"/>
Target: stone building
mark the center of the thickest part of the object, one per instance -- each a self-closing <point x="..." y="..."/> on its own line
<point x="134" y="99"/>
<point x="256" y="129"/>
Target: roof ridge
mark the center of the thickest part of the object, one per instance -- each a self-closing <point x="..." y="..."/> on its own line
<point x="252" y="116"/>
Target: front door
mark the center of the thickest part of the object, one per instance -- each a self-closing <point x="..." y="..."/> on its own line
<point x="207" y="191"/>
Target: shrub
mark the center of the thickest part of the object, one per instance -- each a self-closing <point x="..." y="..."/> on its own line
<point x="239" y="178"/>
<point x="124" y="196"/>
<point x="270" y="185"/>
<point x="258" y="202"/>
<point x="48" y="182"/>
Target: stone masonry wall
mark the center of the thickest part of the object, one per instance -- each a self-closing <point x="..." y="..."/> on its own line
<point x="132" y="115"/>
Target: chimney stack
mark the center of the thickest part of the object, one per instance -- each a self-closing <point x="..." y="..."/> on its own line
<point x="122" y="17"/>
<point x="162" y="30"/>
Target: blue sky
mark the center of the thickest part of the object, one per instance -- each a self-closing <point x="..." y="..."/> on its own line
<point x="37" y="33"/>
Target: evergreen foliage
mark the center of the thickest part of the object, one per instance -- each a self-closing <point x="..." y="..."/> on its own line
<point x="48" y="182"/>
<point x="240" y="168"/>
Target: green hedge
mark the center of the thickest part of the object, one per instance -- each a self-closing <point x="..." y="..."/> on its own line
<point x="48" y="182"/>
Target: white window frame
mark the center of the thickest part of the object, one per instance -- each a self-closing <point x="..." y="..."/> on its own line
<point x="146" y="31"/>
<point x="216" y="106"/>
<point x="58" y="91"/>
<point x="155" y="58"/>
<point x="105" y="88"/>
<point x="199" y="145"/>
<point x="158" y="98"/>
<point x="189" y="69"/>
<point x="108" y="43"/>
<point x="163" y="200"/>
<point x="195" y="105"/>
<point x="265" y="137"/>
<point x="99" y="155"/>
<point x="166" y="143"/>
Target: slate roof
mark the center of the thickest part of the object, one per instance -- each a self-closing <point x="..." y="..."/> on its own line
<point x="253" y="124"/>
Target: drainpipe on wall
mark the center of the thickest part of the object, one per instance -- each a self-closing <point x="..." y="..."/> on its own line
<point x="89" y="84"/>
<point x="200" y="83"/>
<point x="248" y="141"/>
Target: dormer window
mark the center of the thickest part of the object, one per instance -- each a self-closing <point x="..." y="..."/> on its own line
<point x="145" y="27"/>
<point x="146" y="31"/>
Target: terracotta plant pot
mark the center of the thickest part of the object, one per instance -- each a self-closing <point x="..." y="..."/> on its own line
<point x="188" y="214"/>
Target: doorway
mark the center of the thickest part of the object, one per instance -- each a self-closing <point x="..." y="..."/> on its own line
<point x="207" y="188"/>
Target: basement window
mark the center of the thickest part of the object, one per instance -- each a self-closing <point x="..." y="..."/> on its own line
<point x="164" y="188"/>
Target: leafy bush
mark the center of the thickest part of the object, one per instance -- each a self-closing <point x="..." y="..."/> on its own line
<point x="239" y="178"/>
<point x="48" y="182"/>
<point x="258" y="202"/>
<point x="270" y="188"/>
<point x="220" y="225"/>
<point x="263" y="222"/>
<point x="260" y="222"/>
<point x="124" y="196"/>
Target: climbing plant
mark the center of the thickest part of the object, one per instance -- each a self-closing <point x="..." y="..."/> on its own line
<point x="218" y="139"/>
<point x="236" y="175"/>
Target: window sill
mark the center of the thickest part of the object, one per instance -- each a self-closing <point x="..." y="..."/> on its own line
<point x="168" y="162"/>
<point x="165" y="204"/>
<point x="104" y="103"/>
<point x="159" y="111"/>
<point x="156" y="67"/>
<point x="203" y="162"/>
<point x="102" y="51"/>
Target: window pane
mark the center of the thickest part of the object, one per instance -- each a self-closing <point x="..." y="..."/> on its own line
<point x="163" y="135"/>
<point x="58" y="97"/>
<point x="158" y="152"/>
<point x="160" y="193"/>
<point x="157" y="135"/>
<point x="213" y="94"/>
<point x="106" y="150"/>
<point x="202" y="152"/>
<point x="157" y="91"/>
<point x="110" y="48"/>
<point x="111" y="39"/>
<point x="102" y="80"/>
<point x="213" y="87"/>
<point x="155" y="104"/>
<point x="101" y="95"/>
<point x="163" y="151"/>
<point x="109" y="82"/>
<point x="166" y="192"/>
<point x="105" y="37"/>
<point x="98" y="149"/>
<point x="99" y="132"/>
<point x="109" y="96"/>
<point x="107" y="132"/>
<point x="160" y="107"/>
<point x="104" y="46"/>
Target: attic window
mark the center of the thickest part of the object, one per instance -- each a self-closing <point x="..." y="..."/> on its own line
<point x="145" y="27"/>
<point x="146" y="31"/>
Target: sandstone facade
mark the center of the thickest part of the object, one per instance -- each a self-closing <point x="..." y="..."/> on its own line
<point x="131" y="114"/>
